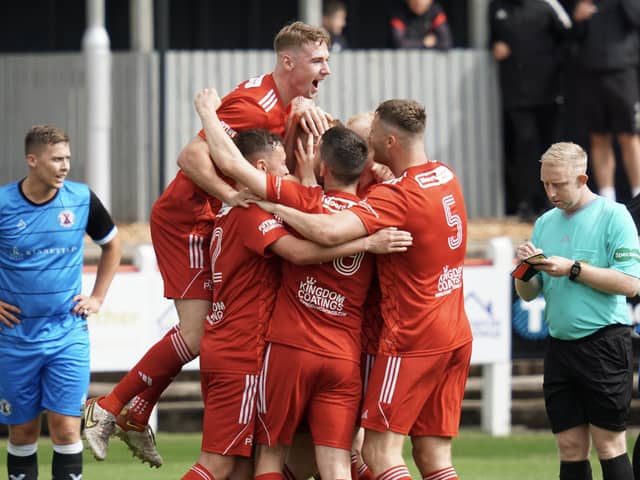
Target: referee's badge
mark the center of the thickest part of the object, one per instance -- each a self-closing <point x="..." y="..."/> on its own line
<point x="66" y="218"/>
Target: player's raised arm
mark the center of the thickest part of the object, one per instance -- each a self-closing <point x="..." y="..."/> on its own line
<point x="195" y="162"/>
<point x="223" y="151"/>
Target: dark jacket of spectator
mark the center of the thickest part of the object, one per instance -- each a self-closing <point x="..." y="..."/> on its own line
<point x="535" y="32"/>
<point x="610" y="39"/>
<point x="409" y="30"/>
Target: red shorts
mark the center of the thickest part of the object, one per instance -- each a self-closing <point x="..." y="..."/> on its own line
<point x="417" y="395"/>
<point x="229" y="407"/>
<point x="182" y="253"/>
<point x="295" y="383"/>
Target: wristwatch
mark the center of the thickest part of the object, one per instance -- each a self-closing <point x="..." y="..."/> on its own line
<point x="576" y="268"/>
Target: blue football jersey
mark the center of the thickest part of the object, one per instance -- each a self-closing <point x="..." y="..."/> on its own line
<point x="41" y="259"/>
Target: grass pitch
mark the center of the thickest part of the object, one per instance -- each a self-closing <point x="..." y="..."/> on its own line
<point x="477" y="456"/>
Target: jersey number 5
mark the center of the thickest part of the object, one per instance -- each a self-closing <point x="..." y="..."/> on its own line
<point x="453" y="220"/>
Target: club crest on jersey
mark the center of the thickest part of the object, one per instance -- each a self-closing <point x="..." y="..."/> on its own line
<point x="66" y="218"/>
<point x="5" y="407"/>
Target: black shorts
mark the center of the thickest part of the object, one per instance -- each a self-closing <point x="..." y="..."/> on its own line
<point x="589" y="381"/>
<point x="610" y="101"/>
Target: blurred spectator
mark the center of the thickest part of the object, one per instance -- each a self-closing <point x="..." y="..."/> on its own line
<point x="607" y="41"/>
<point x="420" y="24"/>
<point x="334" y="20"/>
<point x="527" y="40"/>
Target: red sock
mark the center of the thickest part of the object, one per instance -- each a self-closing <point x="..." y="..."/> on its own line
<point x="269" y="476"/>
<point x="157" y="367"/>
<point x="364" y="473"/>
<point x="354" y="466"/>
<point x="447" y="473"/>
<point x="198" y="472"/>
<point x="399" y="472"/>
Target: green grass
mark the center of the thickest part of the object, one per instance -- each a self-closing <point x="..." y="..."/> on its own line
<point x="477" y="456"/>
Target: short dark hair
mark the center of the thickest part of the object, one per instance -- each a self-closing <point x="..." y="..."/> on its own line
<point x="256" y="142"/>
<point x="329" y="7"/>
<point x="344" y="152"/>
<point x="39" y="136"/>
<point x="406" y="115"/>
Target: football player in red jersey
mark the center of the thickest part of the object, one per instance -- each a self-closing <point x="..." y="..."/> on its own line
<point x="417" y="382"/>
<point x="181" y="226"/>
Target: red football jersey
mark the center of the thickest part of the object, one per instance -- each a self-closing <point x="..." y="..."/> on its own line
<point x="245" y="281"/>
<point x="255" y="103"/>
<point x="320" y="307"/>
<point x="422" y="294"/>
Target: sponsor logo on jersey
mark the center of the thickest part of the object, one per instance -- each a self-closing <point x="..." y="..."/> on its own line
<point x="17" y="254"/>
<point x="336" y="204"/>
<point x="320" y="298"/>
<point x="227" y="128"/>
<point x="437" y="176"/>
<point x="268" y="225"/>
<point x="625" y="254"/>
<point x="21" y="224"/>
<point x="216" y="313"/>
<point x="66" y="219"/>
<point x="254" y="82"/>
<point x="450" y="279"/>
<point x="5" y="407"/>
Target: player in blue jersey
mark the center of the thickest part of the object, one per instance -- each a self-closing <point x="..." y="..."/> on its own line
<point x="44" y="341"/>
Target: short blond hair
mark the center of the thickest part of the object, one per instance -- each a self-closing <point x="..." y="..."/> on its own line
<point x="567" y="154"/>
<point x="297" y="34"/>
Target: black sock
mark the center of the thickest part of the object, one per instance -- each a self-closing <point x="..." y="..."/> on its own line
<point x="19" y="466"/>
<point x="575" y="470"/>
<point x="66" y="466"/>
<point x="618" y="468"/>
<point x="636" y="459"/>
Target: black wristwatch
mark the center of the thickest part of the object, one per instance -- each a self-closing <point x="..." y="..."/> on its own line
<point x="576" y="268"/>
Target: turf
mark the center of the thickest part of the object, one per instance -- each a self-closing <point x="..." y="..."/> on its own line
<point x="477" y="456"/>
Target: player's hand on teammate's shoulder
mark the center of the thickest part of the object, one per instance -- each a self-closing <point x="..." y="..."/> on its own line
<point x="381" y="172"/>
<point x="7" y="316"/>
<point x="242" y="198"/>
<point x="207" y="101"/>
<point x="388" y="240"/>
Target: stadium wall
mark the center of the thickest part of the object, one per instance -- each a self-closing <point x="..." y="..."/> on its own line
<point x="458" y="88"/>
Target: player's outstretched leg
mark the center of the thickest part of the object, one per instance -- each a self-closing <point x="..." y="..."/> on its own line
<point x="99" y="426"/>
<point x="139" y="438"/>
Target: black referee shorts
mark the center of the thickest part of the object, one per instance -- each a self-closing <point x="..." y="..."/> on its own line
<point x="589" y="381"/>
<point x="610" y="101"/>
